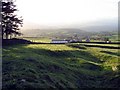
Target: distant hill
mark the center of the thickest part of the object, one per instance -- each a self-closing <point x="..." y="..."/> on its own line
<point x="107" y="25"/>
<point x="101" y="26"/>
<point x="62" y="32"/>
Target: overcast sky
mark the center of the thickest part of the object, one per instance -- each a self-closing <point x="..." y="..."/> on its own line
<point x="66" y="12"/>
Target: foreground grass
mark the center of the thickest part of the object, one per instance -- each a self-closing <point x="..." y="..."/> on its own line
<point x="55" y="66"/>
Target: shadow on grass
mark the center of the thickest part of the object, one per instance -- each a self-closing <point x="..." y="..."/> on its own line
<point x="99" y="46"/>
<point x="35" y="55"/>
<point x="111" y="53"/>
<point x="36" y="67"/>
<point x="65" y="54"/>
<point x="76" y="46"/>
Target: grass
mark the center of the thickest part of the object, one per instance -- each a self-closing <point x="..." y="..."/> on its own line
<point x="38" y="39"/>
<point x="63" y="65"/>
<point x="108" y="56"/>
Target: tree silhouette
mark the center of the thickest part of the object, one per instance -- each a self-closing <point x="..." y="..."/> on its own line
<point x="10" y="21"/>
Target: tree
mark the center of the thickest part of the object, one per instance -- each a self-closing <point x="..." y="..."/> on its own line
<point x="10" y="21"/>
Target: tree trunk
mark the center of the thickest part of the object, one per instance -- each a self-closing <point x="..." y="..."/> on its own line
<point x="7" y="35"/>
<point x="15" y="35"/>
<point x="10" y="36"/>
<point x="2" y="36"/>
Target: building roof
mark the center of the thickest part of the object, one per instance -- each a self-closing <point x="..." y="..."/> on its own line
<point x="60" y="40"/>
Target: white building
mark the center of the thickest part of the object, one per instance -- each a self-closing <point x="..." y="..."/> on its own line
<point x="59" y="41"/>
<point x="87" y="39"/>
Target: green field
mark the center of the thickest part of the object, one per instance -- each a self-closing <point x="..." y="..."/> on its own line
<point x="38" y="39"/>
<point x="63" y="65"/>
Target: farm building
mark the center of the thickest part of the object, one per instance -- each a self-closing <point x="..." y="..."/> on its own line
<point x="87" y="39"/>
<point x="60" y="41"/>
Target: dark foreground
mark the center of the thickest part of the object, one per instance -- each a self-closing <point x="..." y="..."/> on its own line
<point x="60" y="66"/>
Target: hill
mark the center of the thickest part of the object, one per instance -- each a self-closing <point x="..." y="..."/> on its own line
<point x="61" y="32"/>
<point x="60" y="66"/>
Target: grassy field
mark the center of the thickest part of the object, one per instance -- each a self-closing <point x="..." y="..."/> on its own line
<point x="113" y="38"/>
<point x="63" y="65"/>
<point x="38" y="39"/>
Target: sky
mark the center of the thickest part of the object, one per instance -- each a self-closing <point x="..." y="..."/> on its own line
<point x="60" y="13"/>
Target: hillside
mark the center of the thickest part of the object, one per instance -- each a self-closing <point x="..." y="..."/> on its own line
<point x="60" y="66"/>
<point x="68" y="33"/>
<point x="63" y="32"/>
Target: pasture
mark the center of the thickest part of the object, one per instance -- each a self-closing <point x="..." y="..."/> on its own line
<point x="38" y="39"/>
<point x="61" y="65"/>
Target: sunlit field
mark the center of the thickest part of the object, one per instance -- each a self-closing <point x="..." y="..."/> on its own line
<point x="61" y="65"/>
<point x="38" y="39"/>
